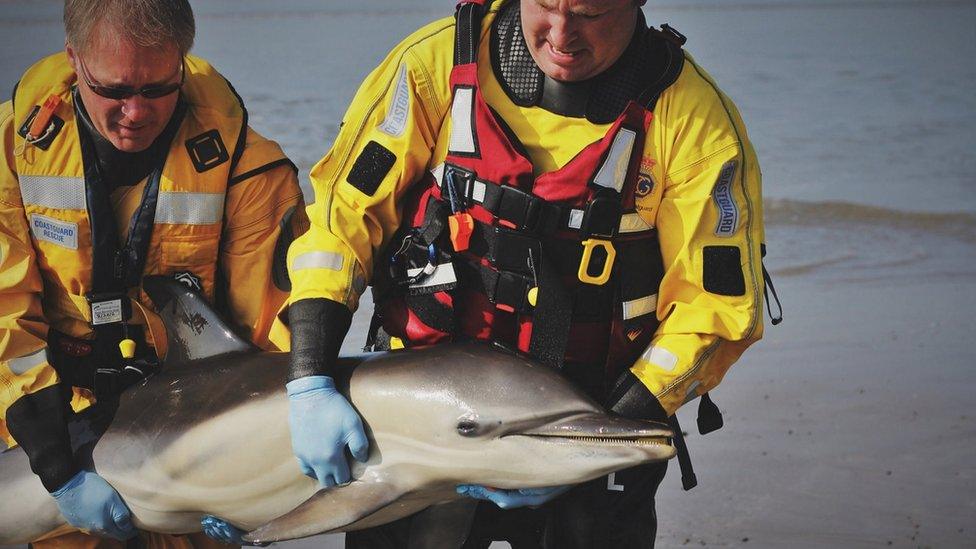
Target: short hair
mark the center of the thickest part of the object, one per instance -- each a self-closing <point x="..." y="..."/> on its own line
<point x="147" y="23"/>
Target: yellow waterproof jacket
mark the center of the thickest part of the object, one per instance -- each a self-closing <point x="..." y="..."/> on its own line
<point x="706" y="194"/>
<point x="218" y="215"/>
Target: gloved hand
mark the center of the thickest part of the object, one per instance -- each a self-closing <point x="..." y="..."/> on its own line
<point x="90" y="503"/>
<point x="322" y="424"/>
<point x="511" y="499"/>
<point x="221" y="530"/>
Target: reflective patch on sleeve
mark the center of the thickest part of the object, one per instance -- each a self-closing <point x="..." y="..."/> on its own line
<point x="728" y="210"/>
<point x="318" y="260"/>
<point x="722" y="271"/>
<point x="20" y="366"/>
<point x="60" y="193"/>
<point x="660" y="357"/>
<point x="613" y="172"/>
<point x="399" y="107"/>
<point x="371" y="167"/>
<point x="640" y="307"/>
<point x="182" y="208"/>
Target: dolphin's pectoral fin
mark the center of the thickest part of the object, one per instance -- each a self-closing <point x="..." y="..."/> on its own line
<point x="327" y="510"/>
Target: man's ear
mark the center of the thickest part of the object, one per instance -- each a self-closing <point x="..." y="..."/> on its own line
<point x="71" y="55"/>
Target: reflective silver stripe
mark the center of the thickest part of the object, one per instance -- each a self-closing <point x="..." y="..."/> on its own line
<point x="177" y="208"/>
<point x="318" y="260"/>
<point x="640" y="307"/>
<point x="479" y="190"/>
<point x="66" y="193"/>
<point x="20" y="366"/>
<point x="660" y="357"/>
<point x="613" y="172"/>
<point x="443" y="274"/>
<point x="633" y="223"/>
<point x="462" y="132"/>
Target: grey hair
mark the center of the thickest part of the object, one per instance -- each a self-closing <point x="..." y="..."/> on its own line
<point x="147" y="23"/>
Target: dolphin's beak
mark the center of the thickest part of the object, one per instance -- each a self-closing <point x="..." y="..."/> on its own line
<point x="605" y="428"/>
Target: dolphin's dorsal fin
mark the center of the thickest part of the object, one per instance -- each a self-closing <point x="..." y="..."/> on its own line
<point x="193" y="329"/>
<point x="327" y="510"/>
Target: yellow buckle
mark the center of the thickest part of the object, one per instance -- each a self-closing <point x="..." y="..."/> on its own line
<point x="584" y="267"/>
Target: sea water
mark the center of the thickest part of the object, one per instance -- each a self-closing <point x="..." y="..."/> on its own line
<point x="862" y="113"/>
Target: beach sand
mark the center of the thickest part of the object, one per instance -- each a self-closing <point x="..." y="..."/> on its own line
<point x="852" y="423"/>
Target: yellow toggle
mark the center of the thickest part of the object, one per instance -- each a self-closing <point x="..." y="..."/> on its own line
<point x="588" y="246"/>
<point x="396" y="343"/>
<point x="533" y="295"/>
<point x="128" y="348"/>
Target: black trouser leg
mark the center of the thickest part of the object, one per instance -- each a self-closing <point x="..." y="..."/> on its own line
<point x="610" y="512"/>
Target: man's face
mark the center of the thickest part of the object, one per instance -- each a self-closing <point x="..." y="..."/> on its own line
<point x="573" y="40"/>
<point x="133" y="123"/>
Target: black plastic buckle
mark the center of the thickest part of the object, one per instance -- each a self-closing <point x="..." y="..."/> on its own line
<point x="457" y="187"/>
<point x="510" y="251"/>
<point x="673" y="35"/>
<point x="519" y="209"/>
<point x="108" y="307"/>
<point x="511" y="293"/>
<point x="602" y="216"/>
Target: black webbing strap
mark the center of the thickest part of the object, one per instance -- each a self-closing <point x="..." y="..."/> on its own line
<point x="688" y="478"/>
<point x="768" y="287"/>
<point x="467" y="33"/>
<point x="553" y="315"/>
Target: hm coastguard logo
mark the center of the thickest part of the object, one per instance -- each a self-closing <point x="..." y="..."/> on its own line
<point x="61" y="233"/>
<point x="645" y="182"/>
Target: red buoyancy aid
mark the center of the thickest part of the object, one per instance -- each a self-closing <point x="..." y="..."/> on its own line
<point x="559" y="266"/>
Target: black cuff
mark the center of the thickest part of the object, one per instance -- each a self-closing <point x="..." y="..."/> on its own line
<point x="37" y="422"/>
<point x="318" y="327"/>
<point x="630" y="398"/>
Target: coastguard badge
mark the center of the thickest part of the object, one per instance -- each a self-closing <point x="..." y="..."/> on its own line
<point x="645" y="182"/>
<point x="728" y="210"/>
<point x="399" y="108"/>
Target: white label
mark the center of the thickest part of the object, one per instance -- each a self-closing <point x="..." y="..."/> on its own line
<point x="61" y="233"/>
<point x="612" y="483"/>
<point x="106" y="312"/>
<point x="399" y="108"/>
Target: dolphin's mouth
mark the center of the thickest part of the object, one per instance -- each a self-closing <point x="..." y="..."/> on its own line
<point x="601" y="430"/>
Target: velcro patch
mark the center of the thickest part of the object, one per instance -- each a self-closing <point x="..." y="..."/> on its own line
<point x="55" y="231"/>
<point x="371" y="167"/>
<point x="728" y="210"/>
<point x="723" y="271"/>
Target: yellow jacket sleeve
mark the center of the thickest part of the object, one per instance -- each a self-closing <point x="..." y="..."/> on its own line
<point x="264" y="208"/>
<point x="24" y="368"/>
<point x="384" y="145"/>
<point x="710" y="228"/>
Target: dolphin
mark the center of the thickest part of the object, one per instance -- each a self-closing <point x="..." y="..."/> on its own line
<point x="208" y="435"/>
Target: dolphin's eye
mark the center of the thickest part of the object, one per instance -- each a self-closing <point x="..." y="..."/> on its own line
<point x="467" y="428"/>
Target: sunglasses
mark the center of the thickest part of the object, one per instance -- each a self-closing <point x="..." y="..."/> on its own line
<point x="125" y="92"/>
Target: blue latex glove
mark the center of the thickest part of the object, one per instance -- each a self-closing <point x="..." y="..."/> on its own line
<point x="511" y="499"/>
<point x="221" y="530"/>
<point x="322" y="424"/>
<point x="90" y="503"/>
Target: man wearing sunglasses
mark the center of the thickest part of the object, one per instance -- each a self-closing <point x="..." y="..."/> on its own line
<point x="123" y="157"/>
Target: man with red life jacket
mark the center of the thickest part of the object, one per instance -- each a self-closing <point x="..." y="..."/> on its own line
<point x="122" y="157"/>
<point x="554" y="177"/>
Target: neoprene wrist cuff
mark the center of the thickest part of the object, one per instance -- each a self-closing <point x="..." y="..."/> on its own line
<point x="318" y="327"/>
<point x="72" y="483"/>
<point x="38" y="423"/>
<point x="630" y="398"/>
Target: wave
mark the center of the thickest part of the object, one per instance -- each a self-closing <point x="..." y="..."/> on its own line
<point x="958" y="225"/>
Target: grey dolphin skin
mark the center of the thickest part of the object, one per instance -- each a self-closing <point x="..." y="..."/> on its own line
<point x="209" y="435"/>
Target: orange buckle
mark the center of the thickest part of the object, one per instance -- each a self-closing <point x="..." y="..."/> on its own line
<point x="43" y="117"/>
<point x="584" y="267"/>
<point x="461" y="225"/>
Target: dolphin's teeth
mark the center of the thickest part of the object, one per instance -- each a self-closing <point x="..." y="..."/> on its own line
<point x="640" y="441"/>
